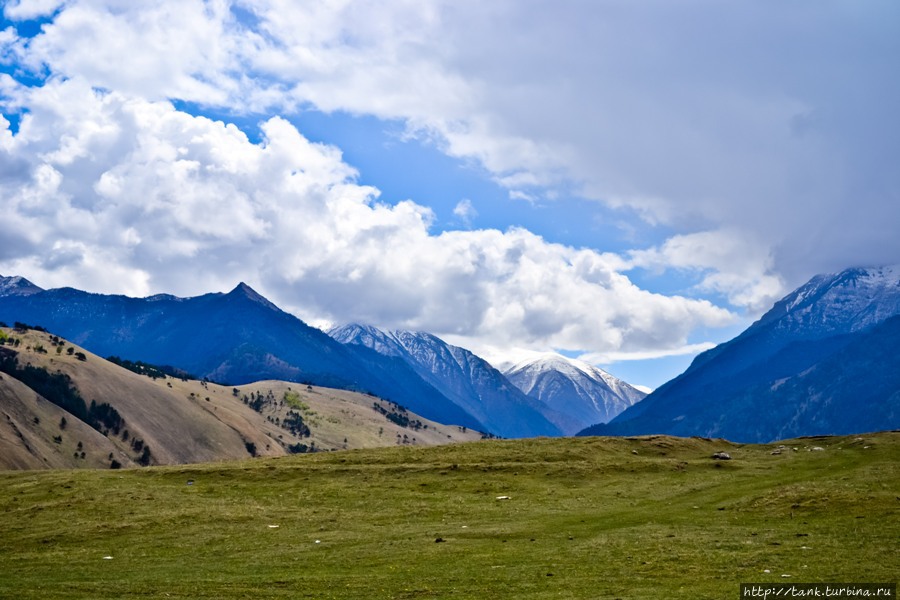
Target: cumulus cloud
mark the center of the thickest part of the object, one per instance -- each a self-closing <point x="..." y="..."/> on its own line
<point x="728" y="262"/>
<point x="773" y="118"/>
<point x="760" y="137"/>
<point x="128" y="195"/>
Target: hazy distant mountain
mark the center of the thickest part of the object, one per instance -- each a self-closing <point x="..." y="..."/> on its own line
<point x="238" y="337"/>
<point x="469" y="381"/>
<point x="824" y="360"/>
<point x="582" y="392"/>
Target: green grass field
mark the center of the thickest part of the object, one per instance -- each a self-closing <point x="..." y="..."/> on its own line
<point x="584" y="518"/>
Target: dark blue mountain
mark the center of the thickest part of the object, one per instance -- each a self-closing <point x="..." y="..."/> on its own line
<point x="235" y="338"/>
<point x="824" y="360"/>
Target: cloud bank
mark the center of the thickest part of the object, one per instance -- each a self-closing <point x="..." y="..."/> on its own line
<point x="128" y="195"/>
<point x="758" y="138"/>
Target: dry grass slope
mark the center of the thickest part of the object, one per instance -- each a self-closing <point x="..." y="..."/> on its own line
<point x="184" y="421"/>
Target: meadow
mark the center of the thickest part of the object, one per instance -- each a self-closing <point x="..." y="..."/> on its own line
<point x="652" y="517"/>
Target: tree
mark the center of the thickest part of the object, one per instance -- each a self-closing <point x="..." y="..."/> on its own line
<point x="144" y="459"/>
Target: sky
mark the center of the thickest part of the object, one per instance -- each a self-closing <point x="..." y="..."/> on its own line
<point x="625" y="182"/>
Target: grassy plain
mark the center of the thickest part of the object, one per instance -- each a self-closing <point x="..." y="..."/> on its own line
<point x="581" y="518"/>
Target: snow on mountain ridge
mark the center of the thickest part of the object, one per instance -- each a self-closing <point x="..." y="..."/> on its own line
<point x="466" y="379"/>
<point x="17" y="286"/>
<point x="844" y="302"/>
<point x="575" y="388"/>
<point x="550" y="361"/>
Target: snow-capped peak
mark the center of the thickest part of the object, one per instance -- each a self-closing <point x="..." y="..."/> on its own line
<point x="551" y="361"/>
<point x="584" y="392"/>
<point x="843" y="302"/>
<point x="17" y="286"/>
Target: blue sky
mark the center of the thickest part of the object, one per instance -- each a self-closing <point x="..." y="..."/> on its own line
<point x="624" y="182"/>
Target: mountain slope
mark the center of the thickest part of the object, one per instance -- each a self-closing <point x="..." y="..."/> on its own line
<point x="17" y="286"/>
<point x="823" y="360"/>
<point x="184" y="421"/>
<point x="469" y="381"/>
<point x="236" y="337"/>
<point x="582" y="392"/>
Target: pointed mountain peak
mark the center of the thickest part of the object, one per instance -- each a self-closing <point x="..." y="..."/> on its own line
<point x="245" y="291"/>
<point x="17" y="286"/>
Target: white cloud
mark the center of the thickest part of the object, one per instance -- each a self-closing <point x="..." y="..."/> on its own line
<point x="675" y="110"/>
<point x="30" y="9"/>
<point x="125" y="195"/>
<point x="465" y="211"/>
<point x="730" y="263"/>
<point x="605" y="358"/>
<point x="759" y="136"/>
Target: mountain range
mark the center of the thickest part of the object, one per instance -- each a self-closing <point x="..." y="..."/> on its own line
<point x="824" y="360"/>
<point x="232" y="338"/>
<point x="469" y="381"/>
<point x="241" y="337"/>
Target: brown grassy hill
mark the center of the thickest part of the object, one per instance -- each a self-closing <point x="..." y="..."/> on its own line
<point x="31" y="437"/>
<point x="187" y="421"/>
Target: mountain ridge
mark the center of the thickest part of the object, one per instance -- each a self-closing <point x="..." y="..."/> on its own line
<point x="772" y="380"/>
<point x="235" y="337"/>
<point x="583" y="392"/>
<point x="468" y="380"/>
